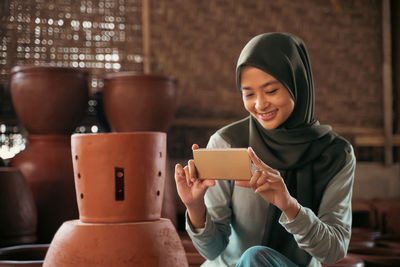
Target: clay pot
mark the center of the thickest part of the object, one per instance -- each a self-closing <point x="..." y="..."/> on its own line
<point x="18" y="215"/>
<point x="153" y="243"/>
<point x="47" y="167"/>
<point x="139" y="102"/>
<point x="23" y="255"/>
<point x="119" y="177"/>
<point x="49" y="100"/>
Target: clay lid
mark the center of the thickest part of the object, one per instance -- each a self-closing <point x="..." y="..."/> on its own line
<point x="46" y="68"/>
<point x="138" y="75"/>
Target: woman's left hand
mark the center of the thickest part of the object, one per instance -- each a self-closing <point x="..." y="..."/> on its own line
<point x="269" y="184"/>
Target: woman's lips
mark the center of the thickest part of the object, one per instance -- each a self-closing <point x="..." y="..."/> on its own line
<point x="268" y="115"/>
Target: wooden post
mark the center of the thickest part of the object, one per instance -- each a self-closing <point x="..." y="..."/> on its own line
<point x="146" y="36"/>
<point x="395" y="16"/>
<point x="387" y="82"/>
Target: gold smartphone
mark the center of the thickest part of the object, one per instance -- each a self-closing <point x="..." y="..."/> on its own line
<point x="222" y="164"/>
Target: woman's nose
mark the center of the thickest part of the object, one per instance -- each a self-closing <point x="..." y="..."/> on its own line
<point x="261" y="103"/>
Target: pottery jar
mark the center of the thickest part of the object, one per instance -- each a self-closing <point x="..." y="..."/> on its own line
<point x="119" y="177"/>
<point x="18" y="215"/>
<point x="153" y="243"/>
<point x="139" y="102"/>
<point x="49" y="100"/>
<point x="47" y="167"/>
<point x="31" y="255"/>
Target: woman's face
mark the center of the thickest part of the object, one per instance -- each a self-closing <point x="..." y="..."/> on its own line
<point x="265" y="97"/>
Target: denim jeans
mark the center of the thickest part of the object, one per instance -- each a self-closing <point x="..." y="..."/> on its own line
<point x="263" y="256"/>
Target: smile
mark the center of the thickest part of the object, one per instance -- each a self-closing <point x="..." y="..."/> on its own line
<point x="268" y="115"/>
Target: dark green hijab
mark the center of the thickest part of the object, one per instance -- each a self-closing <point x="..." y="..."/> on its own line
<point x="307" y="154"/>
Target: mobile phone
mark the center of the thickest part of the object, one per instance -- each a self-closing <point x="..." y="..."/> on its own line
<point x="222" y="164"/>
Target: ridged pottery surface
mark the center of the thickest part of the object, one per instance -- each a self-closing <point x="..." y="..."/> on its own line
<point x="23" y="256"/>
<point x="18" y="215"/>
<point x="119" y="177"/>
<point x="139" y="102"/>
<point x="47" y="167"/>
<point x="141" y="244"/>
<point x="49" y="100"/>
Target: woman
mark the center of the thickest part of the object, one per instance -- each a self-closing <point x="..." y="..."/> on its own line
<point x="296" y="208"/>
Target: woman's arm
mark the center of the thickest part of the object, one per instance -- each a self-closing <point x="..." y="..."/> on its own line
<point x="213" y="238"/>
<point x="326" y="236"/>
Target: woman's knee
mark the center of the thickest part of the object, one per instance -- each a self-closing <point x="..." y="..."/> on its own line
<point x="254" y="256"/>
<point x="263" y="256"/>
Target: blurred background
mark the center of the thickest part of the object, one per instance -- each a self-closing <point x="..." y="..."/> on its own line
<point x="354" y="46"/>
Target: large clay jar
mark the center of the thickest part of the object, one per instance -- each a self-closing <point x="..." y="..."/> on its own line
<point x="49" y="100"/>
<point x="47" y="166"/>
<point x="31" y="255"/>
<point x="119" y="181"/>
<point x="119" y="177"/>
<point x="139" y="102"/>
<point x="18" y="217"/>
<point x="143" y="102"/>
<point x="152" y="244"/>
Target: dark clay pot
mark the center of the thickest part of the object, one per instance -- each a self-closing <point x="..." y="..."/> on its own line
<point x="23" y="256"/>
<point x="49" y="100"/>
<point x="47" y="166"/>
<point x="18" y="215"/>
<point x="119" y="177"/>
<point x="139" y="102"/>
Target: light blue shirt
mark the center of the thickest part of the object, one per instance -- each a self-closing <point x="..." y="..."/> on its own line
<point x="236" y="216"/>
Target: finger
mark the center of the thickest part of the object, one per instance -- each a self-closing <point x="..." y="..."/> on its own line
<point x="273" y="177"/>
<point x="257" y="161"/>
<point x="192" y="170"/>
<point x="208" y="182"/>
<point x="255" y="177"/>
<point x="242" y="183"/>
<point x="187" y="176"/>
<point x="179" y="173"/>
<point x="195" y="146"/>
<point x="262" y="188"/>
<point x="262" y="179"/>
<point x="269" y="186"/>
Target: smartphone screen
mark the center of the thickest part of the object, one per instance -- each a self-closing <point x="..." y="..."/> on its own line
<point x="224" y="164"/>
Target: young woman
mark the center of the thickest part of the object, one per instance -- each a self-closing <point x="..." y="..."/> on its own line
<point x="296" y="209"/>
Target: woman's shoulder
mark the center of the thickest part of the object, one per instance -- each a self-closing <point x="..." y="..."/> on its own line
<point x="339" y="149"/>
<point x="236" y="133"/>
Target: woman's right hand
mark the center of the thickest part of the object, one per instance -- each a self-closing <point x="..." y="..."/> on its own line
<point x="191" y="190"/>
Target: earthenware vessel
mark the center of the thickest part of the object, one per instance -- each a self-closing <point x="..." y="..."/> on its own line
<point x="119" y="177"/>
<point x="31" y="255"/>
<point x="49" y="100"/>
<point x="119" y="180"/>
<point x="18" y="215"/>
<point x="47" y="167"/>
<point x="139" y="102"/>
<point x="151" y="243"/>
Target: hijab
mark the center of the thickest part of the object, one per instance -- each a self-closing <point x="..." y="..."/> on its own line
<point x="307" y="154"/>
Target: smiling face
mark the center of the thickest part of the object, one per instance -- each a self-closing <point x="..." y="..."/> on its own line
<point x="265" y="97"/>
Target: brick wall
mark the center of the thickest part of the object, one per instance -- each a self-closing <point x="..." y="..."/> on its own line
<point x="199" y="42"/>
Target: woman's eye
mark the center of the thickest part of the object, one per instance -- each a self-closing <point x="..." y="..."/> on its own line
<point x="248" y="94"/>
<point x="272" y="91"/>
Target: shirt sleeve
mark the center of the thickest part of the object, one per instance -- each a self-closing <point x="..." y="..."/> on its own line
<point x="326" y="236"/>
<point x="211" y="240"/>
